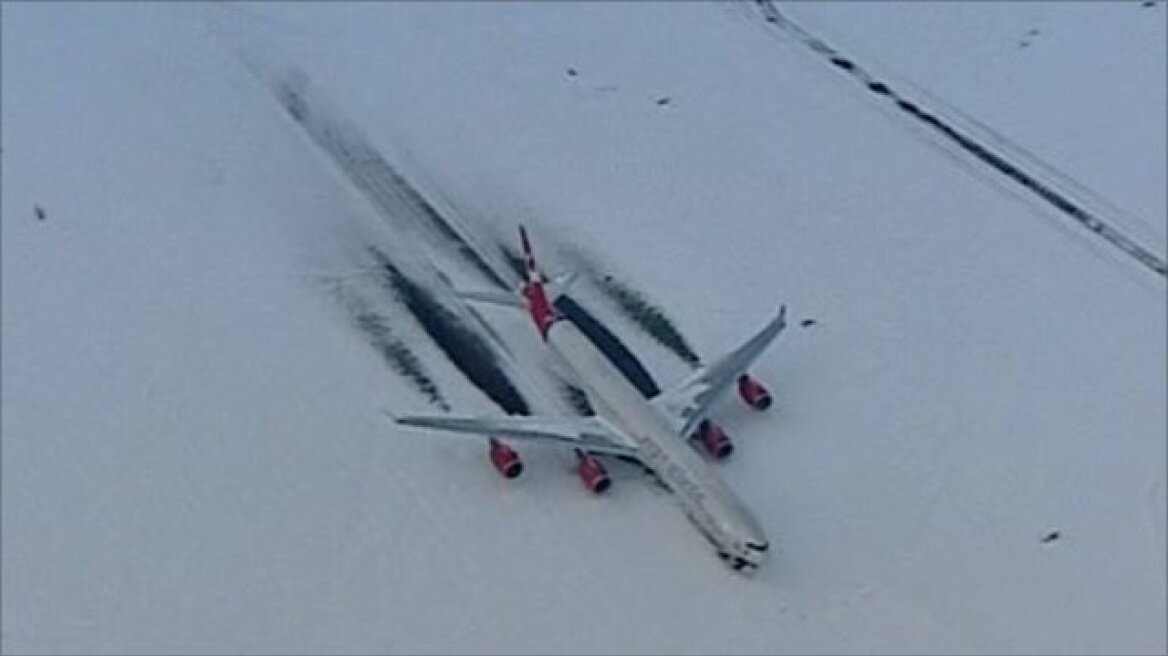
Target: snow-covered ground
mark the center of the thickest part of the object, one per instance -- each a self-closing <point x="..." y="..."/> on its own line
<point x="194" y="459"/>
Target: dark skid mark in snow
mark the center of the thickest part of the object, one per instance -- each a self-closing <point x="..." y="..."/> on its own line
<point x="375" y="327"/>
<point x="514" y="261"/>
<point x="596" y="332"/>
<point x="606" y="341"/>
<point x="389" y="191"/>
<point x="1060" y="200"/>
<point x="632" y="303"/>
<point x="649" y="317"/>
<point x="578" y="399"/>
<point x="461" y="344"/>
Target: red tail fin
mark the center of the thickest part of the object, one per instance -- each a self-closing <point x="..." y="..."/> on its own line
<point x="538" y="305"/>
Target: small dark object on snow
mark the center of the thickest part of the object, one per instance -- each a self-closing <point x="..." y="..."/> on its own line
<point x="1149" y="3"/>
<point x="39" y="212"/>
<point x="1050" y="537"/>
<point x="807" y="322"/>
<point x="571" y="72"/>
<point x="845" y="64"/>
<point x="661" y="102"/>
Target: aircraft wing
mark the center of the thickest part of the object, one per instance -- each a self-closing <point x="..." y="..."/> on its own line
<point x="689" y="402"/>
<point x="586" y="433"/>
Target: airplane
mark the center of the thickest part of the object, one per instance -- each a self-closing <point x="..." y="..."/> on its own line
<point x="655" y="433"/>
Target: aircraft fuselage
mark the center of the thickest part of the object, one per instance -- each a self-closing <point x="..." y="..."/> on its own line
<point x="710" y="505"/>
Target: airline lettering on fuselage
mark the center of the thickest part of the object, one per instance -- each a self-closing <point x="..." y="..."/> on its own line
<point x="677" y="477"/>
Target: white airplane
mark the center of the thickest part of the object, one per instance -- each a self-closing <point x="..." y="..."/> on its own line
<point x="654" y="433"/>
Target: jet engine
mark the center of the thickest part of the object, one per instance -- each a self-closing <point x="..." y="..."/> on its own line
<point x="753" y="393"/>
<point x="592" y="473"/>
<point x="505" y="460"/>
<point x="714" y="440"/>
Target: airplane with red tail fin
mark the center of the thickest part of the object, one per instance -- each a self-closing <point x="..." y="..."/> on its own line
<point x="657" y="433"/>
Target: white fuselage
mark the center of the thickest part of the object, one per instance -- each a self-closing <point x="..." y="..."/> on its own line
<point x="706" y="500"/>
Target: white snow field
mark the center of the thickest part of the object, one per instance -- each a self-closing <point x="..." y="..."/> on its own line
<point x="194" y="455"/>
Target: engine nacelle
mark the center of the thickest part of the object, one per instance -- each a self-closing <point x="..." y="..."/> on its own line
<point x="592" y="473"/>
<point x="753" y="393"/>
<point x="505" y="460"/>
<point x="714" y="440"/>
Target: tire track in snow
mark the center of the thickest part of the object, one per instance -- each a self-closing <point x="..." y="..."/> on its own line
<point x="1060" y="200"/>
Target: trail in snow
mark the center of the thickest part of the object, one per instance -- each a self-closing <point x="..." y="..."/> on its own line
<point x="465" y="348"/>
<point x="396" y="353"/>
<point x="600" y="335"/>
<point x="648" y="316"/>
<point x="1062" y="200"/>
<point x="403" y="206"/>
<point x="383" y="185"/>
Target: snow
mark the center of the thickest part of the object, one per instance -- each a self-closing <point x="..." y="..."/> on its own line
<point x="194" y="459"/>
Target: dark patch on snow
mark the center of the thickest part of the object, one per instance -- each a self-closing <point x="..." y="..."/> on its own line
<point x="807" y="323"/>
<point x="879" y="87"/>
<point x="375" y="166"/>
<point x="1050" y="537"/>
<point x="909" y="107"/>
<point x="578" y="399"/>
<point x="651" y="318"/>
<point x="382" y="183"/>
<point x="845" y="64"/>
<point x="514" y="261"/>
<point x="465" y="348"/>
<point x="395" y="352"/>
<point x="571" y="72"/>
<point x="663" y="101"/>
<point x="609" y="344"/>
<point x="39" y="212"/>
